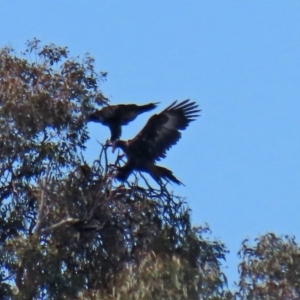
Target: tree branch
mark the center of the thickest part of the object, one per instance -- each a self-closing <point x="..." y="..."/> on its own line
<point x="41" y="209"/>
<point x="60" y="224"/>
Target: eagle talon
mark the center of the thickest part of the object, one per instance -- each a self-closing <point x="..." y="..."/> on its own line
<point x="108" y="143"/>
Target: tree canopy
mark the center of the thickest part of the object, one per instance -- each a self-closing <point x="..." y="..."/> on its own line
<point x="68" y="231"/>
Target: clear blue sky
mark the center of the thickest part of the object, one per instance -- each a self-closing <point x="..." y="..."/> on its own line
<point x="240" y="60"/>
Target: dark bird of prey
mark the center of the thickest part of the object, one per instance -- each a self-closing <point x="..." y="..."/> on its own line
<point x="117" y="115"/>
<point x="151" y="144"/>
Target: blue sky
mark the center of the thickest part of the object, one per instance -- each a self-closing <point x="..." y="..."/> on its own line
<point x="240" y="60"/>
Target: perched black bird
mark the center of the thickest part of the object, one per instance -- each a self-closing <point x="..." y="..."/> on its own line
<point x="117" y="115"/>
<point x="153" y="141"/>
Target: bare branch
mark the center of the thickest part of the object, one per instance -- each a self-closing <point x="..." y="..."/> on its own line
<point x="41" y="209"/>
<point x="60" y="224"/>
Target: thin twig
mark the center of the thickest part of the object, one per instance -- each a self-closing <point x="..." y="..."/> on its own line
<point x="61" y="223"/>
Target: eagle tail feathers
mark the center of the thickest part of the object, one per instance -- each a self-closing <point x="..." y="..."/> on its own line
<point x="166" y="174"/>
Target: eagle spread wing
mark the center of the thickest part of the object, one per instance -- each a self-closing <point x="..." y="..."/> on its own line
<point x="153" y="141"/>
<point x="162" y="130"/>
<point x="117" y="115"/>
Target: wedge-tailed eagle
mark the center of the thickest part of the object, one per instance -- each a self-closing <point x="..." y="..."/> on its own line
<point x="115" y="116"/>
<point x="161" y="132"/>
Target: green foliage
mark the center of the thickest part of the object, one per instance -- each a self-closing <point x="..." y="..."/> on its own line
<point x="159" y="277"/>
<point x="270" y="269"/>
<point x="67" y="230"/>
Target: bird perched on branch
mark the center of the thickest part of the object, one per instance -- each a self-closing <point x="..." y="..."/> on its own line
<point x="151" y="144"/>
<point x="115" y="116"/>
